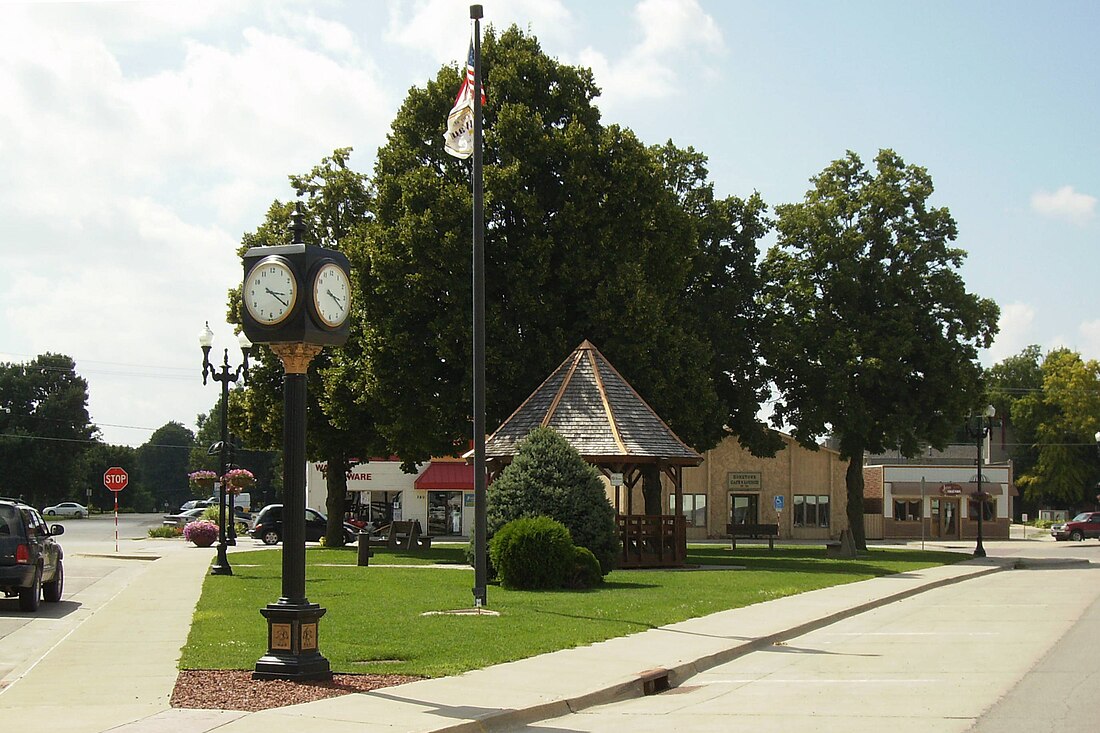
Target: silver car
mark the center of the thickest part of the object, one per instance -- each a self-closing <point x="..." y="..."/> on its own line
<point x="66" y="509"/>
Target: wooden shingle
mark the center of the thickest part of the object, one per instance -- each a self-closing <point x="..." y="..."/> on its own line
<point x="589" y="403"/>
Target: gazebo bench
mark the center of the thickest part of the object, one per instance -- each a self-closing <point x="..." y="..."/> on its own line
<point x="752" y="531"/>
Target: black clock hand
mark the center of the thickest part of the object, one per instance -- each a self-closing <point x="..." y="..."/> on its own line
<point x="276" y="296"/>
<point x="333" y="296"/>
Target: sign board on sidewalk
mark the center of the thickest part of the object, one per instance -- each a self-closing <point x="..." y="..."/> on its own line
<point x="778" y="502"/>
<point x="115" y="478"/>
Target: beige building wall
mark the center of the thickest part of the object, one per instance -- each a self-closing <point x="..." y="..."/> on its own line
<point x="794" y="470"/>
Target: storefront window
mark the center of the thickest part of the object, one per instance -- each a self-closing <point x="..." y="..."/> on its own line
<point x="811" y="510"/>
<point x="990" y="509"/>
<point x="695" y="508"/>
<point x="907" y="510"/>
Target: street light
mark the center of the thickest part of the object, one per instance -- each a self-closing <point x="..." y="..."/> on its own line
<point x="984" y="427"/>
<point x="225" y="376"/>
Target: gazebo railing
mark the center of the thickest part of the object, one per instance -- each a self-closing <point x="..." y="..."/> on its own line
<point x="652" y="540"/>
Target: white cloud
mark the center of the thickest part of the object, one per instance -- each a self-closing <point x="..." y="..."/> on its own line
<point x="1065" y="203"/>
<point x="1016" y="332"/>
<point x="432" y="26"/>
<point x="131" y="181"/>
<point x="674" y="25"/>
<point x="678" y="39"/>
<point x="1090" y="339"/>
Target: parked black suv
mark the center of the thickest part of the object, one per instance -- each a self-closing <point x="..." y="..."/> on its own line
<point x="269" y="526"/>
<point x="30" y="558"/>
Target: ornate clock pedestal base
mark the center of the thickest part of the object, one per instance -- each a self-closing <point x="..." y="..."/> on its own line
<point x="292" y="644"/>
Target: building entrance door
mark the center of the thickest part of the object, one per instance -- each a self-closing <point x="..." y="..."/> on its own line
<point x="445" y="513"/>
<point x="744" y="509"/>
<point x="945" y="519"/>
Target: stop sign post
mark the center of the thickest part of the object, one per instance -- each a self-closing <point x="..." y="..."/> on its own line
<point x="115" y="479"/>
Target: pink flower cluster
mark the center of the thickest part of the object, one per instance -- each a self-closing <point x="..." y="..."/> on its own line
<point x="201" y="532"/>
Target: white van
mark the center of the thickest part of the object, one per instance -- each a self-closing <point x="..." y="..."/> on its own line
<point x="242" y="500"/>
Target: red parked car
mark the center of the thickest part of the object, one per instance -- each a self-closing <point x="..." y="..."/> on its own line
<point x="1081" y="527"/>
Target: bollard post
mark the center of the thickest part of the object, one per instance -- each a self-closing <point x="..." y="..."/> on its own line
<point x="364" y="549"/>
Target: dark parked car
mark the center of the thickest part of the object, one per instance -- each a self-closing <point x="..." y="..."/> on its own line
<point x="1081" y="527"/>
<point x="269" y="526"/>
<point x="30" y="558"/>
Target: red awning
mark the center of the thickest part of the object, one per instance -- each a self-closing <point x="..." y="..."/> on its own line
<point x="446" y="476"/>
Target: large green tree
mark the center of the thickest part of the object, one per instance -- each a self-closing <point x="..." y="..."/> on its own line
<point x="1060" y="420"/>
<point x="340" y="427"/>
<point x="589" y="234"/>
<point x="95" y="462"/>
<point x="163" y="462"/>
<point x="44" y="429"/>
<point x="265" y="465"/>
<point x="1008" y="382"/>
<point x="874" y="336"/>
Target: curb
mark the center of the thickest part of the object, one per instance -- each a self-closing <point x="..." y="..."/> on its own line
<point x="117" y="556"/>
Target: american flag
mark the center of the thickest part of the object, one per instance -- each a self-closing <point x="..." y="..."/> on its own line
<point x="459" y="138"/>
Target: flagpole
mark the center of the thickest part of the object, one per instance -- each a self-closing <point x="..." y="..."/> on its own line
<point x="480" y="519"/>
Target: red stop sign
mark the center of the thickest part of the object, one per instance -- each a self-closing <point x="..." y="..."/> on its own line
<point x="115" y="478"/>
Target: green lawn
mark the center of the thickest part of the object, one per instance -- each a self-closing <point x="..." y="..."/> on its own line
<point x="374" y="622"/>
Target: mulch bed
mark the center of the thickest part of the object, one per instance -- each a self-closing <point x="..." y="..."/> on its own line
<point x="236" y="690"/>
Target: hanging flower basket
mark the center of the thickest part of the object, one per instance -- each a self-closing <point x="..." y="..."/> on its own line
<point x="202" y="533"/>
<point x="238" y="479"/>
<point x="202" y="479"/>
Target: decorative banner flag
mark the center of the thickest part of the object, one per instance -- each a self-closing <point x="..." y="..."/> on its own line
<point x="459" y="138"/>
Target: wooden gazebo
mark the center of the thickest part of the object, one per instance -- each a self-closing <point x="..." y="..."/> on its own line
<point x="589" y="403"/>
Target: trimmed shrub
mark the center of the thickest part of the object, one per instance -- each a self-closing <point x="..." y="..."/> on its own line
<point x="548" y="477"/>
<point x="532" y="553"/>
<point x="586" y="569"/>
<point x="165" y="531"/>
<point x="490" y="571"/>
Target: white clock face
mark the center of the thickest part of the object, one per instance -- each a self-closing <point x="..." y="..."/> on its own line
<point x="332" y="294"/>
<point x="270" y="291"/>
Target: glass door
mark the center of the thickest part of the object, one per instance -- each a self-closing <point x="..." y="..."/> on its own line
<point x="744" y="509"/>
<point x="945" y="519"/>
<point x="445" y="513"/>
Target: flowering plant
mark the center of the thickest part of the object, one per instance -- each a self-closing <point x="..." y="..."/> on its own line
<point x="237" y="479"/>
<point x="202" y="479"/>
<point x="202" y="533"/>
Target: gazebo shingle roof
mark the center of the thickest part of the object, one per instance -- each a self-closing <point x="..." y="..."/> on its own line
<point x="589" y="403"/>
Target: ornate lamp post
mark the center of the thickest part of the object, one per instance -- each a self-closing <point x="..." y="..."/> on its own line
<point x="225" y="376"/>
<point x="978" y="428"/>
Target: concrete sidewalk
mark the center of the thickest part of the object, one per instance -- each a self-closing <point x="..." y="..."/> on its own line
<point x="116" y="671"/>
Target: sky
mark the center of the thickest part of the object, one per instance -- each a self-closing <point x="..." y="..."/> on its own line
<point x="140" y="140"/>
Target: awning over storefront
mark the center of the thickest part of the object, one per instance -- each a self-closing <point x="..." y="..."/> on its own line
<point x="937" y="489"/>
<point x="446" y="476"/>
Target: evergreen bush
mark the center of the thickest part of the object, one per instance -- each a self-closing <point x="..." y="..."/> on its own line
<point x="586" y="569"/>
<point x="532" y="553"/>
<point x="548" y="477"/>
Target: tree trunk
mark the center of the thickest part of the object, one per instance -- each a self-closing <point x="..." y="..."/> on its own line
<point x="651" y="490"/>
<point x="854" y="482"/>
<point x="336" y="480"/>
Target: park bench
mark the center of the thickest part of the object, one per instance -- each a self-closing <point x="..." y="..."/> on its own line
<point x="752" y="531"/>
<point x="403" y="535"/>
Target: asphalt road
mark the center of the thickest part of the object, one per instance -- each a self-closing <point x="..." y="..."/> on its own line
<point x="1008" y="652"/>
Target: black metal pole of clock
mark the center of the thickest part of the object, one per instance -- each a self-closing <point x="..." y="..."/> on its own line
<point x="226" y="376"/>
<point x="293" y="620"/>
